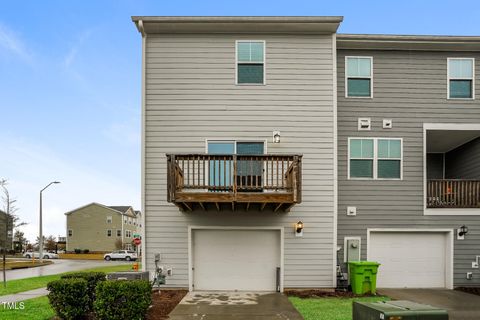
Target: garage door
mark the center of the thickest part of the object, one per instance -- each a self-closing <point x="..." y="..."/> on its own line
<point x="235" y="259"/>
<point x="409" y="259"/>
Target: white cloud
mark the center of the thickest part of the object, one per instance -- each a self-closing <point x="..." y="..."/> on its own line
<point x="12" y="43"/>
<point x="75" y="48"/>
<point x="29" y="167"/>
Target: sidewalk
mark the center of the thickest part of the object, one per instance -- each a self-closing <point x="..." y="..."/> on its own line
<point x="17" y="297"/>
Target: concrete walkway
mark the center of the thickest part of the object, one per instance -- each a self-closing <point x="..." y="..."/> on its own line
<point x="460" y="305"/>
<point x="17" y="297"/>
<point x="234" y="306"/>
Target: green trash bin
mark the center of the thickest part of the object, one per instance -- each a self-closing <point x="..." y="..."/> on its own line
<point x="363" y="276"/>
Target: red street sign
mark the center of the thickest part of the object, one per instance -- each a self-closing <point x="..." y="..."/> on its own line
<point x="137" y="241"/>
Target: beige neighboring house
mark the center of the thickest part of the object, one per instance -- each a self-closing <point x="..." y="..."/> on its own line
<point x="97" y="227"/>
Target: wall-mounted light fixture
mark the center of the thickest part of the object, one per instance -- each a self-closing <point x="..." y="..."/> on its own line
<point x="461" y="232"/>
<point x="276" y="136"/>
<point x="299" y="229"/>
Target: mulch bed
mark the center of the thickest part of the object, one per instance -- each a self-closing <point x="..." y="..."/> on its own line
<point x="472" y="290"/>
<point x="164" y="302"/>
<point x="319" y="294"/>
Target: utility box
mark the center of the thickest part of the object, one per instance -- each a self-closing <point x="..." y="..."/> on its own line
<point x="129" y="275"/>
<point x="396" y="310"/>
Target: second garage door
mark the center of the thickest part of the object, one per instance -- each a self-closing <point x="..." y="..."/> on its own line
<point x="235" y="259"/>
<point x="410" y="259"/>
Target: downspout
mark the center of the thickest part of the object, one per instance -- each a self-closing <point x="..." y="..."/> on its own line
<point x="143" y="144"/>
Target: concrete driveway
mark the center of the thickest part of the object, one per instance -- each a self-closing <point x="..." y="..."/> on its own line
<point x="234" y="306"/>
<point x="460" y="305"/>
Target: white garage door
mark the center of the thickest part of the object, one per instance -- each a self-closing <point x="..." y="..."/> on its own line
<point x="235" y="259"/>
<point x="409" y="259"/>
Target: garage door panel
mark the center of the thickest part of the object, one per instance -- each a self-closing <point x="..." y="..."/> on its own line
<point x="235" y="259"/>
<point x="409" y="259"/>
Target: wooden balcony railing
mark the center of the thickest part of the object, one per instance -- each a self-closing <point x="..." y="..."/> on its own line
<point x="453" y="193"/>
<point x="213" y="180"/>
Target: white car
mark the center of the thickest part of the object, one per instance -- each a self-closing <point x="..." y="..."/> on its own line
<point x="46" y="255"/>
<point x="127" y="255"/>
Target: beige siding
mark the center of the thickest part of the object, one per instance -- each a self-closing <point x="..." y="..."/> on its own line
<point x="409" y="87"/>
<point x="191" y="96"/>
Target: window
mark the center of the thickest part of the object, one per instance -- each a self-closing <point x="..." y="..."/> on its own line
<point x="461" y="74"/>
<point x="130" y="220"/>
<point x="250" y="62"/>
<point x="375" y="158"/>
<point x="70" y="232"/>
<point x="109" y="219"/>
<point x="109" y="233"/>
<point x="358" y="77"/>
<point x="119" y="233"/>
<point x="128" y="233"/>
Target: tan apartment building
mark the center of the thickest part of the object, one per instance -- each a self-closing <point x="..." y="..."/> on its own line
<point x="97" y="227"/>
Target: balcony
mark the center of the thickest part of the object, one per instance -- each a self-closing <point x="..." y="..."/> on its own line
<point x="234" y="182"/>
<point x="453" y="193"/>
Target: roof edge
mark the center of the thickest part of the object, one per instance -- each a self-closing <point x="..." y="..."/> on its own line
<point x="240" y="19"/>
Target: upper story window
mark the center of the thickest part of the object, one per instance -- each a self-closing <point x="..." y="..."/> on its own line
<point x="461" y="75"/>
<point x="70" y="232"/>
<point x="119" y="233"/>
<point x="375" y="158"/>
<point x="109" y="233"/>
<point x="109" y="219"/>
<point x="358" y="77"/>
<point x="250" y="62"/>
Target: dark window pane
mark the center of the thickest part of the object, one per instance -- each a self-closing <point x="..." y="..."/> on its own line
<point x="359" y="87"/>
<point x="249" y="167"/>
<point x="389" y="169"/>
<point x="250" y="73"/>
<point x="460" y="88"/>
<point x="361" y="168"/>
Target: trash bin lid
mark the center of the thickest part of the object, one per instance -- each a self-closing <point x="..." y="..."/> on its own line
<point x="364" y="263"/>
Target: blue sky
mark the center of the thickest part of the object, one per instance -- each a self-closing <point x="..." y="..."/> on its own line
<point x="70" y="87"/>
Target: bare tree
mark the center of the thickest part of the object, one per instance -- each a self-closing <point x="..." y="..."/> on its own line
<point x="50" y="243"/>
<point x="118" y="244"/>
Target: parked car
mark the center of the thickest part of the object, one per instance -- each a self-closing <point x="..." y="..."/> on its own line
<point x="127" y="255"/>
<point x="46" y="255"/>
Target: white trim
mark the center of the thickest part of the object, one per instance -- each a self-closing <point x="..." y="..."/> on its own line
<point x="190" y="247"/>
<point x="345" y="239"/>
<point x="450" y="247"/>
<point x="444" y="211"/>
<point x="91" y="204"/>
<point x="335" y="160"/>
<point x="371" y="77"/>
<point x="111" y="233"/>
<point x="454" y="78"/>
<point x="264" y="64"/>
<point x="143" y="156"/>
<point x="375" y="158"/>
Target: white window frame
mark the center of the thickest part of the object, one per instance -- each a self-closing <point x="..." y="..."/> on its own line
<point x="347" y="77"/>
<point x="70" y="232"/>
<point x="119" y="234"/>
<point x="109" y="219"/>
<point x="128" y="234"/>
<point x="109" y="230"/>
<point x="375" y="157"/>
<point x="264" y="64"/>
<point x="454" y="78"/>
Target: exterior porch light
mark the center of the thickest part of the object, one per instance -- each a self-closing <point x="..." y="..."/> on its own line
<point x="463" y="231"/>
<point x="276" y="136"/>
<point x="299" y="229"/>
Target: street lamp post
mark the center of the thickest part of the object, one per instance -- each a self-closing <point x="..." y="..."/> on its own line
<point x="41" y="230"/>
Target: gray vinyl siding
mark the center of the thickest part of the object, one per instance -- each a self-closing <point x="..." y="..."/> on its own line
<point x="464" y="161"/>
<point x="435" y="166"/>
<point x="191" y="96"/>
<point x="409" y="87"/>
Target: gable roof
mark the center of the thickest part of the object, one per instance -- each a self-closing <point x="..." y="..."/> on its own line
<point x="117" y="209"/>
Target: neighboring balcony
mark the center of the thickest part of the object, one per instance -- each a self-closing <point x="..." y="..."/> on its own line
<point x="234" y="182"/>
<point x="453" y="193"/>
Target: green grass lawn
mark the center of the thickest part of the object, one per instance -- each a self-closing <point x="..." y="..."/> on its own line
<point x="32" y="309"/>
<point x="21" y="285"/>
<point x="328" y="308"/>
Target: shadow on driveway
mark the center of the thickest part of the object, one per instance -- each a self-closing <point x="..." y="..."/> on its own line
<point x="460" y="305"/>
<point x="235" y="306"/>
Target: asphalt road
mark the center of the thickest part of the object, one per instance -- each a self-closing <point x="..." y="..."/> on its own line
<point x="59" y="266"/>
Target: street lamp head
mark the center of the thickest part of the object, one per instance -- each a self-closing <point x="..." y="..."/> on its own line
<point x="56" y="182"/>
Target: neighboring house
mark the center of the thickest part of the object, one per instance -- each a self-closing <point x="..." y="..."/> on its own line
<point x="100" y="228"/>
<point x="241" y="118"/>
<point x="220" y="197"/>
<point x="412" y="179"/>
<point x="6" y="231"/>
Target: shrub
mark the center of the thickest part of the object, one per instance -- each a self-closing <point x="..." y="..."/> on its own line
<point x="86" y="250"/>
<point x="77" y="251"/>
<point x="92" y="279"/>
<point x="68" y="297"/>
<point x="120" y="299"/>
